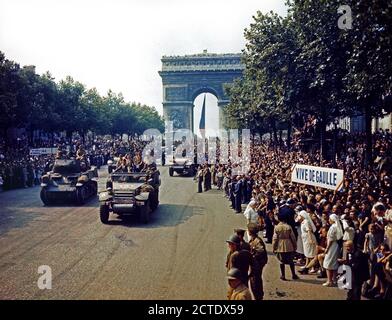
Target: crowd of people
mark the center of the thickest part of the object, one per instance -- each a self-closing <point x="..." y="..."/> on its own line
<point x="19" y="168"/>
<point x="313" y="230"/>
<point x="317" y="229"/>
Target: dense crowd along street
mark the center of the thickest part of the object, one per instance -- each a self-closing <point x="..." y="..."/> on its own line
<point x="323" y="222"/>
<point x="259" y="168"/>
<point x="312" y="230"/>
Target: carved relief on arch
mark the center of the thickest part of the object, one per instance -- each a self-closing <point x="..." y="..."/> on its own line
<point x="175" y="93"/>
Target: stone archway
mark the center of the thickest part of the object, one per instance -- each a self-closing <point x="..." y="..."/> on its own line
<point x="185" y="77"/>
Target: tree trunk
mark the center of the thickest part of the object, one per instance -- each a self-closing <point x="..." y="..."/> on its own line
<point x="289" y="127"/>
<point x="280" y="137"/>
<point x="6" y="144"/>
<point x="273" y="126"/>
<point x="31" y="136"/>
<point x="323" y="130"/>
<point x="335" y="137"/>
<point x="68" y="134"/>
<point x="368" y="128"/>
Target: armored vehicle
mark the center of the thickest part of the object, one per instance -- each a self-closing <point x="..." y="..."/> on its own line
<point x="182" y="166"/>
<point x="130" y="193"/>
<point x="70" y="181"/>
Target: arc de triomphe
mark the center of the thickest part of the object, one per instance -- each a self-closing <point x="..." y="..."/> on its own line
<point x="185" y="77"/>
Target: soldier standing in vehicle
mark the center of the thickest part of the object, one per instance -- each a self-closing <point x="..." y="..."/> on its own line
<point x="81" y="153"/>
<point x="259" y="260"/>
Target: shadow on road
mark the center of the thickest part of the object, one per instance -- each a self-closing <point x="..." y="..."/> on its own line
<point x="9" y="221"/>
<point x="166" y="215"/>
<point x="90" y="203"/>
<point x="18" y="211"/>
<point x="310" y="281"/>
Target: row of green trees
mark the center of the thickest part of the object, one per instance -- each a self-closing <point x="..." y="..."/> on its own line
<point x="304" y="64"/>
<point x="34" y="101"/>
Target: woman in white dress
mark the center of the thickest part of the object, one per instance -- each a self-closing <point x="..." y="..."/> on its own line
<point x="308" y="238"/>
<point x="251" y="216"/>
<point x="332" y="252"/>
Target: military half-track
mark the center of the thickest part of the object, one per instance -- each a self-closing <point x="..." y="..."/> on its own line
<point x="130" y="193"/>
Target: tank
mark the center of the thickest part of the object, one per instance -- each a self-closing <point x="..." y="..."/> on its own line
<point x="70" y="181"/>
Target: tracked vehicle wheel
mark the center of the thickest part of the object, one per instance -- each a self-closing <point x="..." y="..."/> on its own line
<point x="44" y="197"/>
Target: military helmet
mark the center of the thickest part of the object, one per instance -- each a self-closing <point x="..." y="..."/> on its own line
<point x="234" y="274"/>
<point x="239" y="231"/>
<point x="253" y="228"/>
<point x="234" y="239"/>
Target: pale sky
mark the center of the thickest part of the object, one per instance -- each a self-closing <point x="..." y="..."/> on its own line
<point x="118" y="44"/>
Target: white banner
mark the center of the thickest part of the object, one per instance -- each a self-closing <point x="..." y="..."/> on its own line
<point x="327" y="178"/>
<point x="42" y="151"/>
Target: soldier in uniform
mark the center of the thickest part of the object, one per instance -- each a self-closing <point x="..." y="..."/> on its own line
<point x="163" y="158"/>
<point x="200" y="180"/>
<point x="123" y="166"/>
<point x="238" y="195"/>
<point x="81" y="153"/>
<point x="231" y="192"/>
<point x="59" y="154"/>
<point x="259" y="260"/>
<point x="233" y="243"/>
<point x="238" y="290"/>
<point x="243" y="244"/>
<point x="207" y="178"/>
<point x="238" y="258"/>
<point x="284" y="245"/>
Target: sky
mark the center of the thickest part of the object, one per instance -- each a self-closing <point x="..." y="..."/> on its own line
<point x="118" y="44"/>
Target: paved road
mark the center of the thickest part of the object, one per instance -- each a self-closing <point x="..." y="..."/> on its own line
<point x="179" y="255"/>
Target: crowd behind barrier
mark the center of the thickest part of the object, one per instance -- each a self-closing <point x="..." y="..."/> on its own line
<point x="20" y="169"/>
<point x="330" y="228"/>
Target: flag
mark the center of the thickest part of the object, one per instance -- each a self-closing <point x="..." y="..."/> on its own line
<point x="202" y="124"/>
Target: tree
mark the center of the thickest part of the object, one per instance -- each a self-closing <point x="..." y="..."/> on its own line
<point x="37" y="102"/>
<point x="369" y="77"/>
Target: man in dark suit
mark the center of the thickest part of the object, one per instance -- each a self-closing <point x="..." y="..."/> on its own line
<point x="200" y="180"/>
<point x="289" y="213"/>
<point x="358" y="262"/>
<point x="238" y="195"/>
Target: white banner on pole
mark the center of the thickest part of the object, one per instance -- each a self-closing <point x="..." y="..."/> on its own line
<point x="42" y="151"/>
<point x="327" y="178"/>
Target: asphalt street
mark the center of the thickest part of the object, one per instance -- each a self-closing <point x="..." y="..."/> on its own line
<point x="180" y="254"/>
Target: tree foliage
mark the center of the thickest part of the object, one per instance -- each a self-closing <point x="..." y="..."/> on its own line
<point x="304" y="64"/>
<point x="36" y="101"/>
